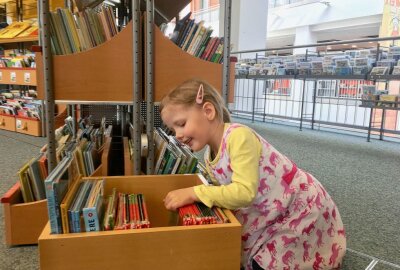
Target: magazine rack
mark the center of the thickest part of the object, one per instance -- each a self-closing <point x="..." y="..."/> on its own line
<point x="163" y="246"/>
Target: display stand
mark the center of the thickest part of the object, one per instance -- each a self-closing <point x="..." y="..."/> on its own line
<point x="163" y="246"/>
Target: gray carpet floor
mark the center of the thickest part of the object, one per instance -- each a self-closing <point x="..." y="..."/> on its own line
<point x="363" y="178"/>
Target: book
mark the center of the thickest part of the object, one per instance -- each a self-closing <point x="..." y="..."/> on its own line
<point x="14" y="29"/>
<point x="93" y="209"/>
<point x="56" y="186"/>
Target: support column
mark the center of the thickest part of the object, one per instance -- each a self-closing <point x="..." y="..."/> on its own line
<point x="304" y="36"/>
<point x="248" y="25"/>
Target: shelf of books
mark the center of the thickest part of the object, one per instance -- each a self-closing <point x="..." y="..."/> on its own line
<point x="174" y="66"/>
<point x="157" y="241"/>
<point x="25" y="206"/>
<point x="18" y="76"/>
<point x="96" y="74"/>
<point x="103" y="73"/>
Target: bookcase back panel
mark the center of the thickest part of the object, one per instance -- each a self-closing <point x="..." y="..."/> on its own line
<point x="158" y="247"/>
<point x="103" y="73"/>
<point x="173" y="66"/>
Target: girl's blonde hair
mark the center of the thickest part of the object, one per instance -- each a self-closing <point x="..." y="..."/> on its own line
<point x="186" y="93"/>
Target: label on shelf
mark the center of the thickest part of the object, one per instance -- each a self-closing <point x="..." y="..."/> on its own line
<point x="18" y="124"/>
<point x="13" y="76"/>
<point x="27" y="77"/>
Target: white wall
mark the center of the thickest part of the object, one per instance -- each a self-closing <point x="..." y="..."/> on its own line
<point x="318" y="13"/>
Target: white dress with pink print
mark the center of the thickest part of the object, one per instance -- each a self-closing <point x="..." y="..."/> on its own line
<point x="292" y="222"/>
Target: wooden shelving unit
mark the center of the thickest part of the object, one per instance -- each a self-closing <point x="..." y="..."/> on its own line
<point x="103" y="73"/>
<point x="81" y="77"/>
<point x="163" y="246"/>
<point x="174" y="66"/>
<point x="25" y="221"/>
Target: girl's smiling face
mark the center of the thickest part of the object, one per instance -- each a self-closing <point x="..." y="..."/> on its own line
<point x="191" y="124"/>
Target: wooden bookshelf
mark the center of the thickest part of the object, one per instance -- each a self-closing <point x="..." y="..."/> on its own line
<point x="163" y="246"/>
<point x="18" y="76"/>
<point x="25" y="221"/>
<point x="103" y="73"/>
<point x="173" y="66"/>
<point x="81" y="77"/>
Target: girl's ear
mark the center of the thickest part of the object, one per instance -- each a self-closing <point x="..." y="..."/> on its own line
<point x="209" y="110"/>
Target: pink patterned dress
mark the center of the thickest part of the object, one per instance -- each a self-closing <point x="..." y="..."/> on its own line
<point x="292" y="222"/>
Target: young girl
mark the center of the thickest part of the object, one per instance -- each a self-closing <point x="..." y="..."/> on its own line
<point x="289" y="220"/>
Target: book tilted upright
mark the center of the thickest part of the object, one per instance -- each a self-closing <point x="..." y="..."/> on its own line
<point x="93" y="209"/>
<point x="56" y="185"/>
<point x="75" y="218"/>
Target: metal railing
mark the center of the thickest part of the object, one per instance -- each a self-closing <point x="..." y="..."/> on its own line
<point x="323" y="102"/>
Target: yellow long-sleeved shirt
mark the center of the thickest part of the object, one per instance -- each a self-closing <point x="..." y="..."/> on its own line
<point x="244" y="151"/>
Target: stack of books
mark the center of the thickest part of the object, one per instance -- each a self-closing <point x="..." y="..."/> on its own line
<point x="195" y="39"/>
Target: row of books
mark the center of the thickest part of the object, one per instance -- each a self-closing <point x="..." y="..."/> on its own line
<point x="171" y="156"/>
<point x="21" y="107"/>
<point x="21" y="61"/>
<point x="73" y="33"/>
<point x="199" y="214"/>
<point x="33" y="174"/>
<point x="20" y="29"/>
<point x="195" y="39"/>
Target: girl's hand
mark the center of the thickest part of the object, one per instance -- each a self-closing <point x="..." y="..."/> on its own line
<point x="179" y="198"/>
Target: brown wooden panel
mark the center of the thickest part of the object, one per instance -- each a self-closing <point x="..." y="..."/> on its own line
<point x="7" y="122"/>
<point x="23" y="221"/>
<point x="103" y="73"/>
<point x="28" y="126"/>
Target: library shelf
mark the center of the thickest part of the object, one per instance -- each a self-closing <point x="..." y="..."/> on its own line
<point x="163" y="246"/>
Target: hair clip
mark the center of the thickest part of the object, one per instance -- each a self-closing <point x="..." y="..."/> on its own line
<point x="200" y="95"/>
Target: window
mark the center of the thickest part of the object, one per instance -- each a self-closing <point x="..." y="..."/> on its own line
<point x="326" y="88"/>
<point x="278" y="87"/>
<point x="352" y="88"/>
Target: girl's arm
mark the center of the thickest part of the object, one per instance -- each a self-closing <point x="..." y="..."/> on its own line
<point x="244" y="150"/>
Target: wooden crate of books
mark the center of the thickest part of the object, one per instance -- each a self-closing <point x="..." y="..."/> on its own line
<point x="19" y="76"/>
<point x="7" y="122"/>
<point x="215" y="246"/>
<point x="30" y="126"/>
<point x="23" y="221"/>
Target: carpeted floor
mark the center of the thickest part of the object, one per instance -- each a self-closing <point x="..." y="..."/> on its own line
<point x="363" y="178"/>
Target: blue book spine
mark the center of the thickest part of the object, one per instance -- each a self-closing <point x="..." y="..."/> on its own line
<point x="51" y="206"/>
